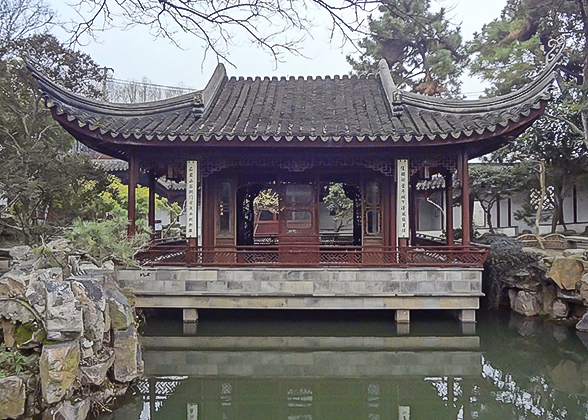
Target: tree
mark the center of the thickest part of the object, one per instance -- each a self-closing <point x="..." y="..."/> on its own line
<point x="44" y="183"/>
<point x="563" y="152"/>
<point x="511" y="50"/>
<point x="490" y="183"/>
<point x="20" y="19"/>
<point x="143" y="91"/>
<point x="423" y="48"/>
<point x="340" y="205"/>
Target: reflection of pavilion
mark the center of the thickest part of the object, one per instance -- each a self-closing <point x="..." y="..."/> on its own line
<point x="263" y="378"/>
<point x="237" y="138"/>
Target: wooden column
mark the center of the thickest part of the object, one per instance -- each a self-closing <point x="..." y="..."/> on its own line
<point x="393" y="239"/>
<point x="466" y="222"/>
<point x="414" y="213"/>
<point x="449" y="209"/>
<point x="133" y="176"/>
<point x="152" y="200"/>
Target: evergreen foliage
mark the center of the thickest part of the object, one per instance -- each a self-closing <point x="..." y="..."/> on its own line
<point x="490" y="183"/>
<point x="107" y="240"/>
<point x="44" y="182"/>
<point x="423" y="48"/>
<point x="506" y="255"/>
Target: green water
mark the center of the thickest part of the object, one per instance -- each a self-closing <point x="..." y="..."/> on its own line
<point x="342" y="365"/>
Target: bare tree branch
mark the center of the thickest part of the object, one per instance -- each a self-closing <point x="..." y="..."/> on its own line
<point x="222" y="24"/>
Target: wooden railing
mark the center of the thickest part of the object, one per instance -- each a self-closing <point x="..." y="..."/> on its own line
<point x="309" y="256"/>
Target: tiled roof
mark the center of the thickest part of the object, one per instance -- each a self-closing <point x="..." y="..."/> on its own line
<point x="330" y="109"/>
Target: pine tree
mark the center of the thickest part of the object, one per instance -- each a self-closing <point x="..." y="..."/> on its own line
<point x="423" y="48"/>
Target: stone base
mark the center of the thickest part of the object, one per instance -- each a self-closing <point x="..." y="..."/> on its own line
<point x="190" y="315"/>
<point x="299" y="288"/>
<point x="301" y="302"/>
<point x="402" y="316"/>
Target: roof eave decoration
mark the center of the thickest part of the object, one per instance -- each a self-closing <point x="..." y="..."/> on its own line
<point x="393" y="93"/>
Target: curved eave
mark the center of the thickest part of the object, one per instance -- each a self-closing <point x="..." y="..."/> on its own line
<point x="478" y="145"/>
<point x="57" y="96"/>
<point x="454" y="122"/>
<point x="539" y="87"/>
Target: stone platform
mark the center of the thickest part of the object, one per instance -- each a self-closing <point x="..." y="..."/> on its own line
<point x="400" y="289"/>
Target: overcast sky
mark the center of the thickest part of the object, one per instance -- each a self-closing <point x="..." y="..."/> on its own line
<point x="134" y="53"/>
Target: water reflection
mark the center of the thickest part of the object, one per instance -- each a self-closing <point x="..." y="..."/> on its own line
<point x="509" y="368"/>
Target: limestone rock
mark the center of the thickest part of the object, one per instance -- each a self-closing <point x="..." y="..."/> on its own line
<point x="21" y="253"/>
<point x="95" y="372"/>
<point x="58" y="369"/>
<point x="8" y="332"/>
<point x="91" y="297"/>
<point x="16" y="310"/>
<point x="560" y="309"/>
<point x="582" y="325"/>
<point x="68" y="411"/>
<point x="120" y="310"/>
<point x="566" y="272"/>
<point x="512" y="296"/>
<point x="12" y="397"/>
<point x="573" y="253"/>
<point x="63" y="314"/>
<point x="584" y="287"/>
<point x="527" y="304"/>
<point x="126" y="345"/>
<point x="549" y="297"/>
<point x="13" y="283"/>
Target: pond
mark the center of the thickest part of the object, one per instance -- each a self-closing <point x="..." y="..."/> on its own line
<point x="359" y="365"/>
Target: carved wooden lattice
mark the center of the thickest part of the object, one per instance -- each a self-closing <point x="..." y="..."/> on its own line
<point x="315" y="257"/>
<point x="419" y="163"/>
<point x="211" y="165"/>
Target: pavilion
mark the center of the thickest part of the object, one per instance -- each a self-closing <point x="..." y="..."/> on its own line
<point x="292" y="140"/>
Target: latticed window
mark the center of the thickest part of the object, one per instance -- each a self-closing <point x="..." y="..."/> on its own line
<point x="224" y="209"/>
<point x="373" y="208"/>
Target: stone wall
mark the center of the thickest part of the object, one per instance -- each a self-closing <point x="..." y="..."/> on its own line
<point x="318" y="288"/>
<point x="76" y="333"/>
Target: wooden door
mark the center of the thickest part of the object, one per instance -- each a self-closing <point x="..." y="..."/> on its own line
<point x="298" y="223"/>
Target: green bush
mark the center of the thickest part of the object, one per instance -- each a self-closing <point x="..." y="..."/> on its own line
<point x="108" y="240"/>
<point x="506" y="255"/>
<point x="12" y="361"/>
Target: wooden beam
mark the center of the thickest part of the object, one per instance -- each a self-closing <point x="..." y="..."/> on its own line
<point x="133" y="180"/>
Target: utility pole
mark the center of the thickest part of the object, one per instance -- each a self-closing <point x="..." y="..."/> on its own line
<point x="104" y="77"/>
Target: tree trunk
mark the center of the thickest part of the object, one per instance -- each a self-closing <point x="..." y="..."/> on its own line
<point x="489" y="219"/>
<point x="584" y="111"/>
<point x="542" y="195"/>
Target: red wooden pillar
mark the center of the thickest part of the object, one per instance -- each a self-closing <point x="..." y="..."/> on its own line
<point x="133" y="181"/>
<point x="413" y="212"/>
<point x="393" y="239"/>
<point x="449" y="209"/>
<point x="152" y="200"/>
<point x="465" y="199"/>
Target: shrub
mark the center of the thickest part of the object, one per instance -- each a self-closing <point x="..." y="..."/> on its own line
<point x="506" y="255"/>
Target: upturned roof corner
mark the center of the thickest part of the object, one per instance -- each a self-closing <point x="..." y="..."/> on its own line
<point x="393" y="93"/>
<point x="347" y="110"/>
